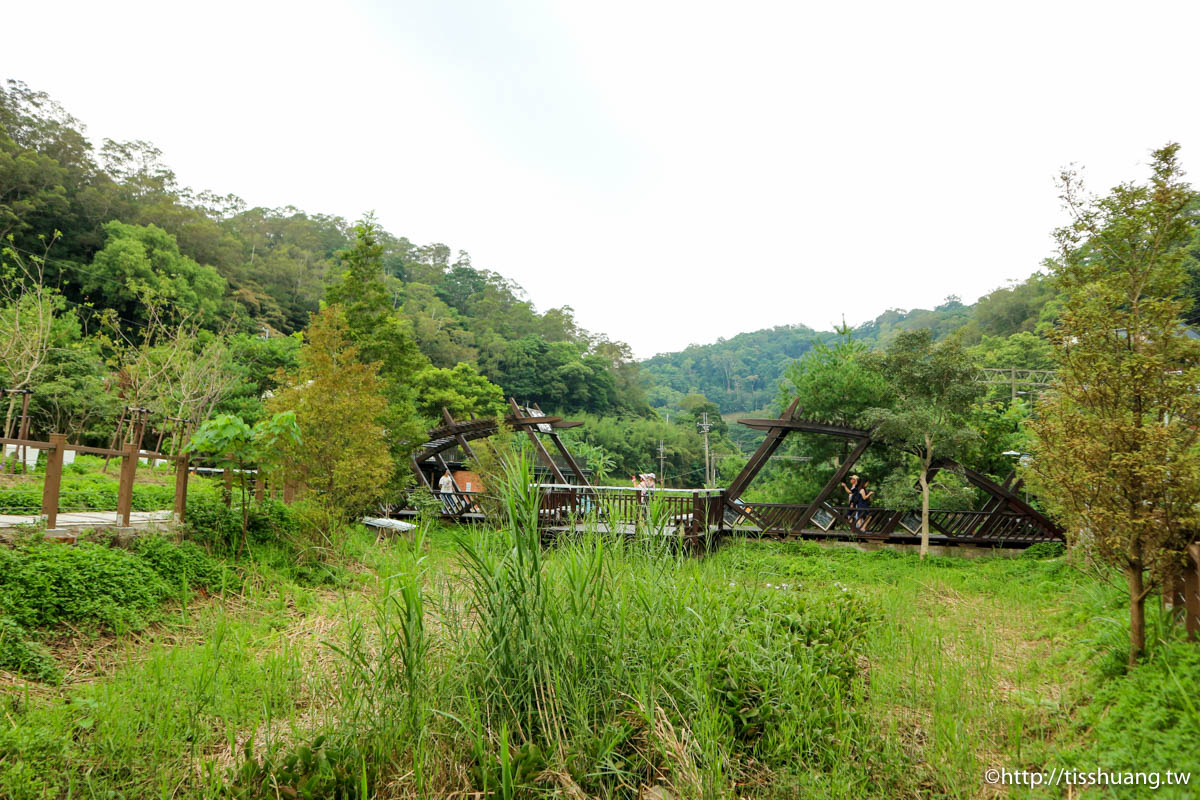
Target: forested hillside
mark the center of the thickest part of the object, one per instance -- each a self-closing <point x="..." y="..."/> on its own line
<point x="131" y="255"/>
<point x="743" y="373"/>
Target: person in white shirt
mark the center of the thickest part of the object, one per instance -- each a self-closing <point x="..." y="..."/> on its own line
<point x="448" y="489"/>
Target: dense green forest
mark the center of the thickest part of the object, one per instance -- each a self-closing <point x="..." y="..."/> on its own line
<point x="193" y="304"/>
<point x="131" y="255"/>
<point x="743" y="373"/>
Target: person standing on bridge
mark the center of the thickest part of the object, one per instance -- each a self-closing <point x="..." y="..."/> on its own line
<point x="448" y="490"/>
<point x="854" y="490"/>
<point x="643" y="483"/>
<point x="862" y="511"/>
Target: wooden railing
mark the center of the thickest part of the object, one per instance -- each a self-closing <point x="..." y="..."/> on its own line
<point x="128" y="455"/>
<point x="977" y="527"/>
<point x="664" y="510"/>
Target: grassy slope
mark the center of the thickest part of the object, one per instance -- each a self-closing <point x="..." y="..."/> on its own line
<point x="958" y="666"/>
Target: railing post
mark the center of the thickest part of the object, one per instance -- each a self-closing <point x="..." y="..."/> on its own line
<point x="129" y="461"/>
<point x="227" y="475"/>
<point x="1191" y="592"/>
<point x="260" y="486"/>
<point x="181" y="487"/>
<point x="50" y="487"/>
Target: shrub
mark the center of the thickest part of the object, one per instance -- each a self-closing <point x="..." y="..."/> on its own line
<point x="178" y="564"/>
<point x="306" y="771"/>
<point x="46" y="584"/>
<point x="1045" y="550"/>
<point x="208" y="521"/>
<point x="89" y="492"/>
<point x="23" y="657"/>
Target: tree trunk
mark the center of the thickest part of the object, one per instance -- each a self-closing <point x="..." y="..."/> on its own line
<point x="1137" y="611"/>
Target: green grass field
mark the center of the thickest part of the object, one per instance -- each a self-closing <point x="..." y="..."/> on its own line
<point x="457" y="662"/>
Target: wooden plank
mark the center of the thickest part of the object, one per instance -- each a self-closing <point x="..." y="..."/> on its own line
<point x="758" y="460"/>
<point x="28" y="443"/>
<point x="420" y="473"/>
<point x="537" y="443"/>
<point x="566" y="454"/>
<point x="99" y="451"/>
<point x="1011" y="500"/>
<point x="805" y="426"/>
<point x="458" y="437"/>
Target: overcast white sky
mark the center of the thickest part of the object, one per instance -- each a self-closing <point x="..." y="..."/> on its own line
<point x="676" y="172"/>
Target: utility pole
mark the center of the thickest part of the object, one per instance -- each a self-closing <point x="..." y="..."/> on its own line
<point x="662" y="455"/>
<point x="704" y="428"/>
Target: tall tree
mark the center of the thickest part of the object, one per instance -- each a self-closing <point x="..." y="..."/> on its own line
<point x="1116" y="455"/>
<point x="340" y="408"/>
<point x="380" y="334"/>
<point x="934" y="387"/>
<point x="141" y="265"/>
<point x="835" y="383"/>
<point x="33" y="321"/>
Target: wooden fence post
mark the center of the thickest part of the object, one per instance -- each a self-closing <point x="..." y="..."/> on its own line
<point x="228" y="478"/>
<point x="50" y="487"/>
<point x="1191" y="592"/>
<point x="181" y="487"/>
<point x="260" y="486"/>
<point x="129" y="462"/>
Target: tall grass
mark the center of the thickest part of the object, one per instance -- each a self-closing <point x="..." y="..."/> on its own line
<point x="483" y="663"/>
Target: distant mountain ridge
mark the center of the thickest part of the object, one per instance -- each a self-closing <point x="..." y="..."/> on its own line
<point x="742" y="373"/>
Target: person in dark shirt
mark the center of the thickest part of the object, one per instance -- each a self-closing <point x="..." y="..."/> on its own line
<point x="863" y="509"/>
<point x="854" y="490"/>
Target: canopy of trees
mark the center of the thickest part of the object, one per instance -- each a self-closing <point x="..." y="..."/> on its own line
<point x="127" y="236"/>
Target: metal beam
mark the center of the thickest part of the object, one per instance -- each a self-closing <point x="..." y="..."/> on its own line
<point x="838" y="477"/>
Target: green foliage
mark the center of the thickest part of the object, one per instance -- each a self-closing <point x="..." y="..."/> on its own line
<point x="91" y="493"/>
<point x="234" y="445"/>
<point x="209" y="522"/>
<point x="142" y="264"/>
<point x="24" y="657"/>
<point x="934" y="388"/>
<point x="383" y="338"/>
<point x="739" y="373"/>
<point x="43" y="585"/>
<point x="461" y="390"/>
<point x="1044" y="550"/>
<point x="308" y="772"/>
<point x="1116" y="455"/>
<point x="178" y="564"/>
<point x="1148" y="720"/>
<point x="557" y="375"/>
<point x="630" y="446"/>
<point x="340" y="407"/>
<point x="835" y="383"/>
<point x="258" y="362"/>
